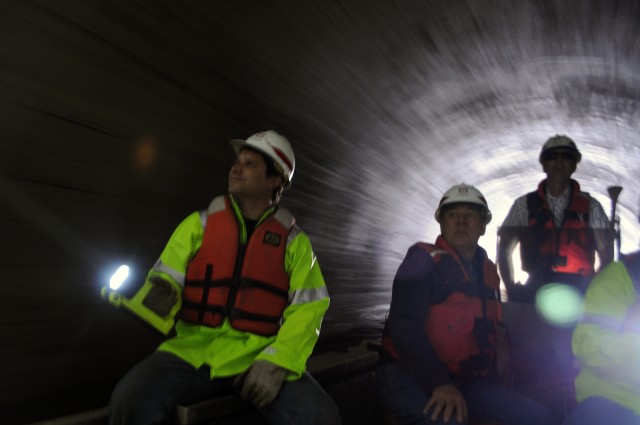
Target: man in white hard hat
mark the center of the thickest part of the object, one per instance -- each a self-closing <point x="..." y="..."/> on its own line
<point x="252" y="301"/>
<point x="444" y="350"/>
<point x="559" y="228"/>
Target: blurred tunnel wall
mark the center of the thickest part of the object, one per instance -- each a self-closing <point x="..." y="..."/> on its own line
<point x="115" y="118"/>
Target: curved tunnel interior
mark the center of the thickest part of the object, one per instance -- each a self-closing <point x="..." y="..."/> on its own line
<point x="115" y="120"/>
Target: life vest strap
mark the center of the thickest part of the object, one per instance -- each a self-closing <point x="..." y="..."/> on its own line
<point x="208" y="308"/>
<point x="487" y="292"/>
<point x="252" y="283"/>
<point x="477" y="365"/>
<point x="207" y="283"/>
<point x="240" y="314"/>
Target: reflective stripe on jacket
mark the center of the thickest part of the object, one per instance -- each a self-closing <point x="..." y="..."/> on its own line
<point x="570" y="249"/>
<point x="462" y="329"/>
<point x="605" y="343"/>
<point x="245" y="282"/>
<point x="226" y="350"/>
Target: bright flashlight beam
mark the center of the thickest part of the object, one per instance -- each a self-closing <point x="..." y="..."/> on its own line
<point x="119" y="277"/>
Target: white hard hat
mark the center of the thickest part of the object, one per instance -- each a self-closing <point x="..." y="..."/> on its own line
<point x="560" y="141"/>
<point x="273" y="145"/>
<point x="464" y="194"/>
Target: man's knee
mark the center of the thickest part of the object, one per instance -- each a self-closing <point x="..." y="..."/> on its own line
<point x="307" y="400"/>
<point x="331" y="413"/>
<point x="135" y="401"/>
<point x="119" y="401"/>
<point x="125" y="402"/>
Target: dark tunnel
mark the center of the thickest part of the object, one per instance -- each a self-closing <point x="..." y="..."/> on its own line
<point x="115" y="118"/>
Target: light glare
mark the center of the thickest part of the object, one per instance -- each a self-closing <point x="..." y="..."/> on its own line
<point x="559" y="304"/>
<point x="119" y="277"/>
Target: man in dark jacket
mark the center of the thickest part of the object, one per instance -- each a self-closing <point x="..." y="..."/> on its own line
<point x="444" y="346"/>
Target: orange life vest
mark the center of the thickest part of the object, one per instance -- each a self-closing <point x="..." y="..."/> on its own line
<point x="570" y="249"/>
<point x="246" y="283"/>
<point x="462" y="329"/>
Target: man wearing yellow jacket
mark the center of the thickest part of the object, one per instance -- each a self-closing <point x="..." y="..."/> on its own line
<point x="607" y="344"/>
<point x="250" y="297"/>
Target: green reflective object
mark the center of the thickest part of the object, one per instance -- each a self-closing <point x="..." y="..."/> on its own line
<point x="559" y="304"/>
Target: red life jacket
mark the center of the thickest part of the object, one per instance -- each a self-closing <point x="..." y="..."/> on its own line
<point x="462" y="329"/>
<point x="246" y="283"/>
<point x="570" y="249"/>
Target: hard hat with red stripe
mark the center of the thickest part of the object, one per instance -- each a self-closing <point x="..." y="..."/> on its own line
<point x="274" y="146"/>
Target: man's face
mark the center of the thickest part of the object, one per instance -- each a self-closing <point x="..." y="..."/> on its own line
<point x="248" y="177"/>
<point x="559" y="165"/>
<point x="461" y="226"/>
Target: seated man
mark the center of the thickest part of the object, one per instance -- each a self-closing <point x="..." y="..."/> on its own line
<point x="607" y="344"/>
<point x="252" y="300"/>
<point x="444" y="347"/>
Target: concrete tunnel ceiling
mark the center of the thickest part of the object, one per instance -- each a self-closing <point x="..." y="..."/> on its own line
<point x="388" y="103"/>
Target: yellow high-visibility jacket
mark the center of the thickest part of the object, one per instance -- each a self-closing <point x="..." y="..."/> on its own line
<point x="608" y="350"/>
<point x="229" y="351"/>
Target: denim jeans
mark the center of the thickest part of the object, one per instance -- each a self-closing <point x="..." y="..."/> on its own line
<point x="404" y="399"/>
<point x="149" y="393"/>
<point x="598" y="411"/>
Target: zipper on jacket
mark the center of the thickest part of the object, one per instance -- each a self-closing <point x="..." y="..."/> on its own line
<point x="237" y="269"/>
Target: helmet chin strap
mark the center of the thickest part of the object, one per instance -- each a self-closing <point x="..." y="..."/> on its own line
<point x="275" y="199"/>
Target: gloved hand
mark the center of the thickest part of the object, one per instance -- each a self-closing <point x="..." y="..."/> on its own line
<point x="261" y="383"/>
<point x="161" y="297"/>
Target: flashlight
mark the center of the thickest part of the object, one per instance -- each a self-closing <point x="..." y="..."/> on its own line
<point x="119" y="277"/>
<point x="131" y="296"/>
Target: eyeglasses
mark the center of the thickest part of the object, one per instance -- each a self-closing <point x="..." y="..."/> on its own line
<point x="564" y="156"/>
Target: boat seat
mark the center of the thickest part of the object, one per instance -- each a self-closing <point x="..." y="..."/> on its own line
<point x="325" y="368"/>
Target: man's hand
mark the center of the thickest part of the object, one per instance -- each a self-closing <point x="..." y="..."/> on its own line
<point x="161" y="298"/>
<point x="517" y="292"/>
<point x="261" y="383"/>
<point x="445" y="400"/>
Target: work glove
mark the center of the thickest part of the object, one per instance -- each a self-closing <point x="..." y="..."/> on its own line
<point x="261" y="383"/>
<point x="161" y="297"/>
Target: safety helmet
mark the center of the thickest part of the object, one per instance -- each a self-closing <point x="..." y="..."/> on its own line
<point x="464" y="194"/>
<point x="560" y="141"/>
<point x="274" y="146"/>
